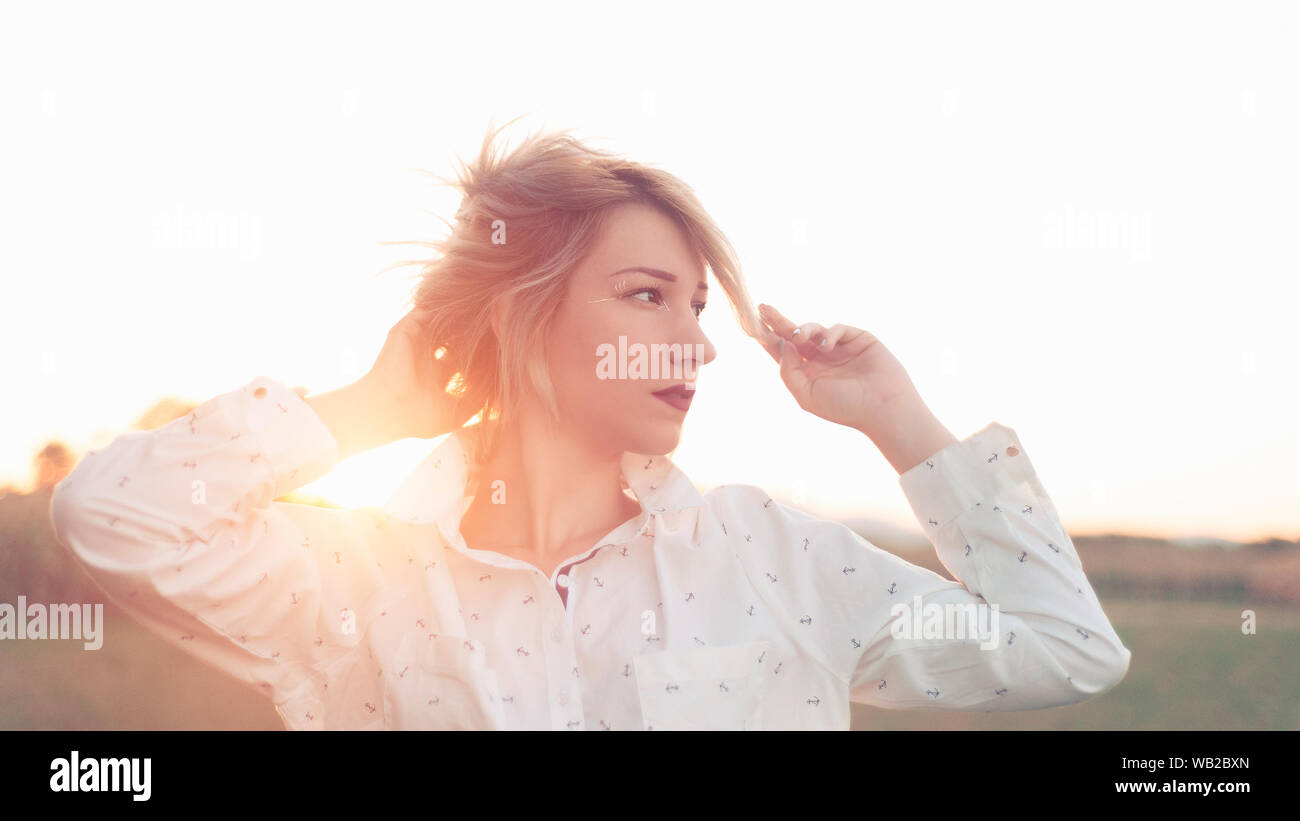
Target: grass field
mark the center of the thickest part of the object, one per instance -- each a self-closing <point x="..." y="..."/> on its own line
<point x="1192" y="669"/>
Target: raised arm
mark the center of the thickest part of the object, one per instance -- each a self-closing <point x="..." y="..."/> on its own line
<point x="980" y="503"/>
<point x="178" y="527"/>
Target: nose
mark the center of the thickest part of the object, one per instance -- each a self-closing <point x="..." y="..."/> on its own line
<point x="697" y="350"/>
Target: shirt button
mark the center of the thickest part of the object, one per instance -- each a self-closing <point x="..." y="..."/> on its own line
<point x="555" y="634"/>
<point x="562" y="580"/>
<point x="259" y="393"/>
<point x="1012" y="450"/>
<point x="562" y="698"/>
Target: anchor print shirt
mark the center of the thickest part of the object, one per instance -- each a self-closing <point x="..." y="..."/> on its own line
<point x="724" y="610"/>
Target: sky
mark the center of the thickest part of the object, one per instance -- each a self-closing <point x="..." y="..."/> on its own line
<point x="1076" y="221"/>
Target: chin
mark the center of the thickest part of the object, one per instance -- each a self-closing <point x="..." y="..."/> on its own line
<point x="654" y="439"/>
<point x="632" y="433"/>
<point x="628" y="427"/>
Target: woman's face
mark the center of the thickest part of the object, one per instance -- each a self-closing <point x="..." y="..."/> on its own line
<point x="606" y="388"/>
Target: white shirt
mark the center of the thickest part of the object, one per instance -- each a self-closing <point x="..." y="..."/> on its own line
<point x="725" y="610"/>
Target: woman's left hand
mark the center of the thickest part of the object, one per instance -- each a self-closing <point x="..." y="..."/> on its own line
<point x="842" y="374"/>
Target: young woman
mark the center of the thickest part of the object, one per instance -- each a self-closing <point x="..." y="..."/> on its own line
<point x="549" y="567"/>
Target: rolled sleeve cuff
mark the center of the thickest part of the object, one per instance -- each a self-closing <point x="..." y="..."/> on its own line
<point x="965" y="475"/>
<point x="293" y="440"/>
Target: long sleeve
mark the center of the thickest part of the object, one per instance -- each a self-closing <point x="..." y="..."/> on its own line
<point x="1024" y="629"/>
<point x="177" y="525"/>
<point x="980" y="503"/>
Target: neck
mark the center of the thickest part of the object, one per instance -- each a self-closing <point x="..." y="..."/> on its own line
<point x="543" y="492"/>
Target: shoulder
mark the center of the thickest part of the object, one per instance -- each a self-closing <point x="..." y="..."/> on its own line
<point x="759" y="518"/>
<point x="750" y="503"/>
<point x="786" y="535"/>
<point x="753" y="503"/>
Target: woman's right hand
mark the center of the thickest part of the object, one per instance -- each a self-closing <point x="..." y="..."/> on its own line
<point x="402" y="395"/>
<point x="408" y="386"/>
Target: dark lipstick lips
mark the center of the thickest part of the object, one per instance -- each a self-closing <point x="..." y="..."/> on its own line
<point x="679" y="396"/>
<point x="677" y="390"/>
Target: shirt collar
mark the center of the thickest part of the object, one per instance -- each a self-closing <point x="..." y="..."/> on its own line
<point x="436" y="490"/>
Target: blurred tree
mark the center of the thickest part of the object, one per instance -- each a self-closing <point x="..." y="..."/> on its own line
<point x="53" y="463"/>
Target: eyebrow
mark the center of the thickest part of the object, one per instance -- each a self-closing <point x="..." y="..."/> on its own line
<point x="655" y="272"/>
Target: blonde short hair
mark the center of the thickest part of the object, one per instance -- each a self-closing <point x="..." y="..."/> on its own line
<point x="550" y="197"/>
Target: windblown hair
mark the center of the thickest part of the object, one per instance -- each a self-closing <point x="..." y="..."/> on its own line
<point x="548" y="199"/>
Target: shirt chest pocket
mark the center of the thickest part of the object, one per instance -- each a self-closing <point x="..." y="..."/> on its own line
<point x="442" y="682"/>
<point x="710" y="688"/>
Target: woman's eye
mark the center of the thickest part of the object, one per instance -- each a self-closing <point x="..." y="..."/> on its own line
<point x="659" y="299"/>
